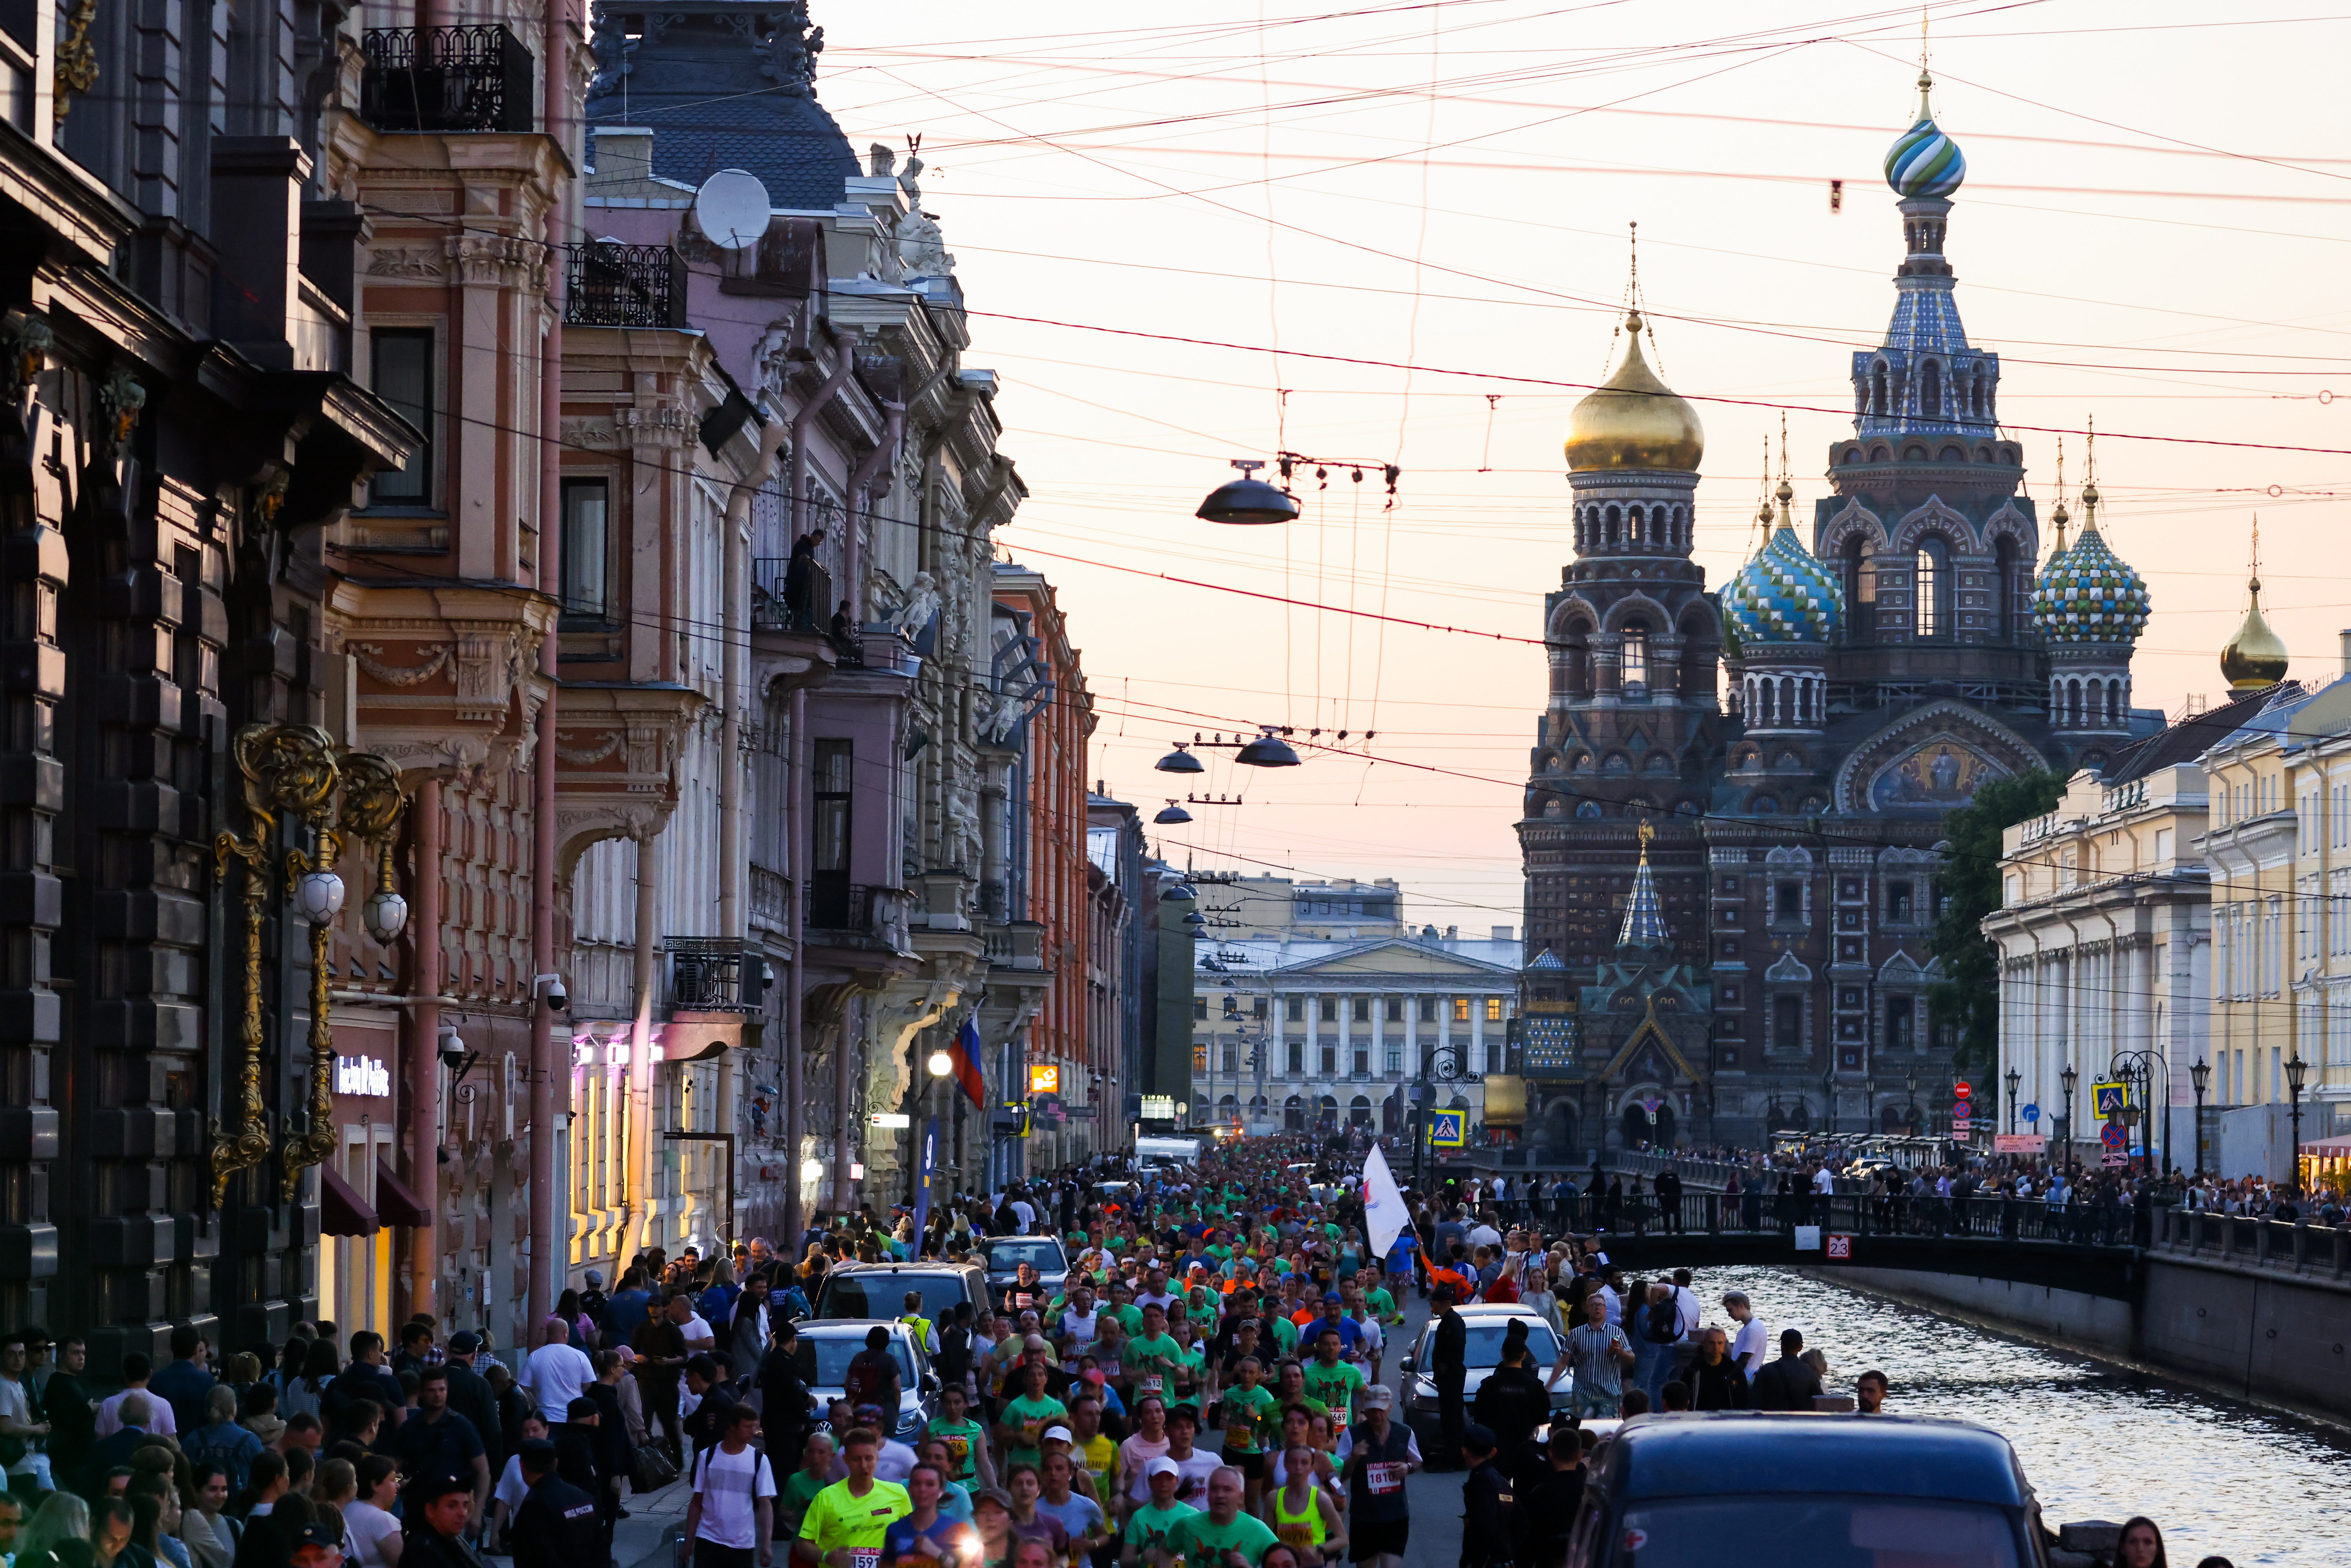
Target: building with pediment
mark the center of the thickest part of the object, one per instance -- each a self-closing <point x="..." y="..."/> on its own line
<point x="1872" y="677"/>
<point x="1295" y="1033"/>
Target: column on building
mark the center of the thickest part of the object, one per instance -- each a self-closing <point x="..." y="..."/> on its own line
<point x="1477" y="1063"/>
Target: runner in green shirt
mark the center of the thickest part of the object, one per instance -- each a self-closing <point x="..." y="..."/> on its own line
<point x="1335" y="1382"/>
<point x="965" y="1438"/>
<point x="851" y="1516"/>
<point x="1152" y="1356"/>
<point x="799" y="1489"/>
<point x="1383" y="1305"/>
<point x="1224" y="1537"/>
<point x="1148" y="1529"/>
<point x="1249" y="1416"/>
<point x="1026" y="1418"/>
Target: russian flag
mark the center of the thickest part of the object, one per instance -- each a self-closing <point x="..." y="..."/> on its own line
<point x="965" y="1053"/>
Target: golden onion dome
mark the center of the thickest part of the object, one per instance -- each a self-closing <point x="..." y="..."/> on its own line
<point x="1633" y="420"/>
<point x="2256" y="656"/>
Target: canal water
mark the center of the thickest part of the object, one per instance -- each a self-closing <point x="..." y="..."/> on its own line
<point x="2096" y="1442"/>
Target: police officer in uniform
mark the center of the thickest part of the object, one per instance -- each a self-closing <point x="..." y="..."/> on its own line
<point x="438" y="1507"/>
<point x="558" y="1525"/>
<point x="1486" y="1504"/>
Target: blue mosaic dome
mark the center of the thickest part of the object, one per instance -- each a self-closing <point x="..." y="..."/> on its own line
<point x="1923" y="162"/>
<point x="1783" y="595"/>
<point x="2089" y="594"/>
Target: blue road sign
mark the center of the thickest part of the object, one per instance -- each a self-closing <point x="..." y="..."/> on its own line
<point x="2033" y="1113"/>
<point x="2114" y="1135"/>
<point x="1448" y="1129"/>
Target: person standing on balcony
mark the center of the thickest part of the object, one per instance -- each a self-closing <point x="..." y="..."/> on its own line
<point x="799" y="577"/>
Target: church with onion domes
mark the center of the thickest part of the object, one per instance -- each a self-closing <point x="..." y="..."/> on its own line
<point x="1759" y="770"/>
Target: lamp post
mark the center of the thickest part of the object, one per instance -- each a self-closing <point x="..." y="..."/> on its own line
<point x="2297" y="1071"/>
<point x="1828" y="1103"/>
<point x="939" y="1064"/>
<point x="2065" y="1123"/>
<point x="2200" y="1075"/>
<point x="1910" y="1107"/>
<point x="2014" y="1079"/>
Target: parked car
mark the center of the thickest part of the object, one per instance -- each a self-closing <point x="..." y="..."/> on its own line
<point x="1805" y="1491"/>
<point x="879" y="1290"/>
<point x="1481" y="1352"/>
<point x="1005" y="1254"/>
<point x="826" y="1345"/>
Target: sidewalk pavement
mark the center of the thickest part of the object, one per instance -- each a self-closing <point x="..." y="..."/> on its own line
<point x="648" y="1538"/>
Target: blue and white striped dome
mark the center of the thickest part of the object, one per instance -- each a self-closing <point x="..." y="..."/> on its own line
<point x="1923" y="162"/>
<point x="1783" y="595"/>
<point x="2089" y="594"/>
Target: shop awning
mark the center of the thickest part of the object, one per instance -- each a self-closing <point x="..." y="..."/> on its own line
<point x="341" y="1211"/>
<point x="395" y="1202"/>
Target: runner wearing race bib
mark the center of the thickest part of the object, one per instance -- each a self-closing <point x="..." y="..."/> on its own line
<point x="849" y="1519"/>
<point x="1248" y="1415"/>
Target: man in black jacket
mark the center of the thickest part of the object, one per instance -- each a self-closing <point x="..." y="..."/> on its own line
<point x="558" y="1525"/>
<point x="614" y="1454"/>
<point x="1714" y="1379"/>
<point x="470" y="1396"/>
<point x="1547" y="1500"/>
<point x="1788" y="1383"/>
<point x="1487" y="1504"/>
<point x="1449" y="1369"/>
<point x="1513" y="1402"/>
<point x="1669" y="1198"/>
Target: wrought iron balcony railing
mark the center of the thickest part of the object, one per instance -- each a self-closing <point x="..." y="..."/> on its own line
<point x="707" y="974"/>
<point x="474" y="78"/>
<point x="606" y="284"/>
<point x="781" y="603"/>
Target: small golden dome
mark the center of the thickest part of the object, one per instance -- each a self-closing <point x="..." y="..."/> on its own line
<point x="1633" y="420"/>
<point x="2256" y="656"/>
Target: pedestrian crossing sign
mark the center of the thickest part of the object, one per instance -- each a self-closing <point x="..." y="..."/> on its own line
<point x="1448" y="1129"/>
<point x="2110" y="1099"/>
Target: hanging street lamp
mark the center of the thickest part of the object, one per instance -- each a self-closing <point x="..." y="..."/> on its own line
<point x="1248" y="499"/>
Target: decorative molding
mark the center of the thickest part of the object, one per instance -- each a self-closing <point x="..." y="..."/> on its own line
<point x="662" y="427"/>
<point x="588" y="756"/>
<point x="496" y="260"/>
<point x="405" y="261"/>
<point x="401" y="674"/>
<point x="591" y="432"/>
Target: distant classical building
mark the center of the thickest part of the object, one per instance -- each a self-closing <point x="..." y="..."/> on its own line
<point x="2104" y="931"/>
<point x="1301" y="1033"/>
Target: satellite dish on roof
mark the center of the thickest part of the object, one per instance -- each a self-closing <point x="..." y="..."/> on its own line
<point x="732" y="208"/>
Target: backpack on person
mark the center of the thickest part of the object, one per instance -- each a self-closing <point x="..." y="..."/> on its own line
<point x="1661" y="1322"/>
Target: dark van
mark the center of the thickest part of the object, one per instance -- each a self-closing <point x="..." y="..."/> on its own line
<point x="1806" y="1492"/>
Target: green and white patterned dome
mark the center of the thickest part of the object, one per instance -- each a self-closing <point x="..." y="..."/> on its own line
<point x="1785" y="594"/>
<point x="1923" y="162"/>
<point x="2090" y="594"/>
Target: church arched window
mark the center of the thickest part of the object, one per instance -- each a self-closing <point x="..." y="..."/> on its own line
<point x="1633" y="525"/>
<point x="1931" y="589"/>
<point x="2003" y="587"/>
<point x="1636" y="658"/>
<point x="1930" y="390"/>
<point x="1877" y="389"/>
<point x="1976" y="398"/>
<point x="1608" y="528"/>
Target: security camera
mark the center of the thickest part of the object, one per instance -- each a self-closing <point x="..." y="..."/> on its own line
<point x="451" y="1045"/>
<point x="551" y="988"/>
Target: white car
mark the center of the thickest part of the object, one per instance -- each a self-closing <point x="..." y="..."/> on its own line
<point x="1481" y="1352"/>
<point x="822" y="1355"/>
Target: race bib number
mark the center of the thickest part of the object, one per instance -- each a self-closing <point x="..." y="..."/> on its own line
<point x="1239" y="1437"/>
<point x="860" y="1558"/>
<point x="1297" y="1537"/>
<point x="1154" y="1384"/>
<point x="1385" y="1478"/>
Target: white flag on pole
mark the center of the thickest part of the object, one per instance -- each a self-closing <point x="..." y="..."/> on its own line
<point x="1383" y="1211"/>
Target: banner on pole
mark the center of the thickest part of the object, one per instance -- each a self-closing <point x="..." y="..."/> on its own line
<point x="925" y="1171"/>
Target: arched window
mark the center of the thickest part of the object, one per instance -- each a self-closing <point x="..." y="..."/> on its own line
<point x="1681" y="536"/>
<point x="2003" y="587"/>
<point x="1930" y="390"/>
<point x="1860" y="590"/>
<point x="1608" y="530"/>
<point x="1636" y="658"/>
<point x="1931" y="589"/>
<point x="1633" y="534"/>
<point x="1877" y="389"/>
<point x="1976" y="399"/>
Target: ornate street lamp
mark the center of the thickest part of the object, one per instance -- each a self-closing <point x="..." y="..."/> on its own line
<point x="2297" y="1071"/>
<point x="2014" y="1079"/>
<point x="1910" y="1112"/>
<point x="1828" y="1103"/>
<point x="2201" y="1076"/>
<point x="2069" y="1078"/>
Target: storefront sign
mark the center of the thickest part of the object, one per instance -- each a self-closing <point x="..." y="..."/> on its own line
<point x="1045" y="1078"/>
<point x="362" y="1075"/>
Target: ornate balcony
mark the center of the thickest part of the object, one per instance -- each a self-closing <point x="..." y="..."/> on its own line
<point x="707" y="974"/>
<point x="1016" y="945"/>
<point x="474" y="78"/>
<point x="854" y="914"/>
<point x="611" y="285"/>
<point x="779" y="604"/>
